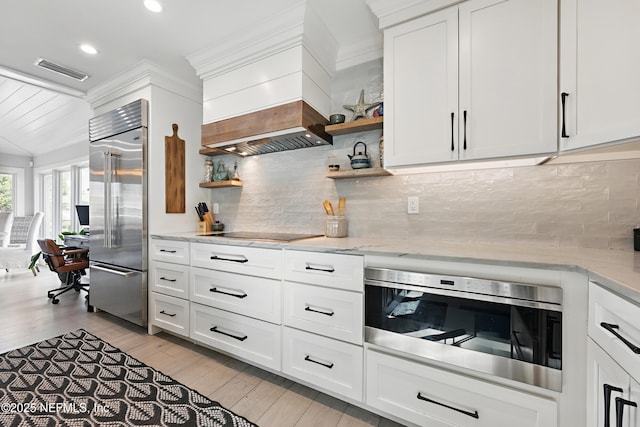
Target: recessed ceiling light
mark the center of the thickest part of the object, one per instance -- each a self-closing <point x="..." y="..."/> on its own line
<point x="153" y="5"/>
<point x="87" y="48"/>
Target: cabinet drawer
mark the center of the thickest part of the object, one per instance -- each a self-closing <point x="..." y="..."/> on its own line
<point x="327" y="363"/>
<point x="247" y="338"/>
<point x="169" y="279"/>
<point x="607" y="310"/>
<point x="334" y="270"/>
<point x="238" y="259"/>
<point x="428" y="396"/>
<point x="173" y="251"/>
<point x="247" y="295"/>
<point x="170" y="313"/>
<point x="330" y="312"/>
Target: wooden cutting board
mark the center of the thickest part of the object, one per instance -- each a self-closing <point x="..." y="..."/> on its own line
<point x="174" y="172"/>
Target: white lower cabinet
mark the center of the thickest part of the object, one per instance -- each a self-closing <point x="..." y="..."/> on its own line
<point x="330" y="312"/>
<point x="333" y="365"/>
<point x="170" y="313"/>
<point x="433" y="397"/>
<point x="248" y="295"/>
<point x="254" y="340"/>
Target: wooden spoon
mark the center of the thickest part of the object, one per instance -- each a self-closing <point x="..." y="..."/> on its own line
<point x="327" y="207"/>
<point x="342" y="203"/>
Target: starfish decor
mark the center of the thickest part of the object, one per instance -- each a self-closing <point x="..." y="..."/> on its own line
<point x="360" y="109"/>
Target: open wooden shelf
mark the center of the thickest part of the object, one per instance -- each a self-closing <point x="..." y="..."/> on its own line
<point x="221" y="184"/>
<point x="358" y="173"/>
<point x="361" y="125"/>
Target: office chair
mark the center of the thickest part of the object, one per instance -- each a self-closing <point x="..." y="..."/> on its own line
<point x="68" y="263"/>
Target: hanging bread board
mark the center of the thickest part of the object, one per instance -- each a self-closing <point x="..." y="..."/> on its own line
<point x="174" y="175"/>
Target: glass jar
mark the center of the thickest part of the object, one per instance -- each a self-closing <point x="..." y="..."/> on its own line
<point x="335" y="226"/>
<point x="208" y="171"/>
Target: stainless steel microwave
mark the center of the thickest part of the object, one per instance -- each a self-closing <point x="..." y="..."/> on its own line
<point x="509" y="330"/>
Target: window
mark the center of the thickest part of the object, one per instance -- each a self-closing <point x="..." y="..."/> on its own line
<point x="61" y="189"/>
<point x="7" y="192"/>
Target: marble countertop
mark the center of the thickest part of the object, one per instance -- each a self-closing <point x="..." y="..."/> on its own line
<point x="617" y="270"/>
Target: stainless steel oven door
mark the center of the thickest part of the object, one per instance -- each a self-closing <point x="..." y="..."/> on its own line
<point x="465" y="322"/>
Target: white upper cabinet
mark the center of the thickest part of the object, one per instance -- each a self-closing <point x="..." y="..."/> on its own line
<point x="599" y="67"/>
<point x="473" y="81"/>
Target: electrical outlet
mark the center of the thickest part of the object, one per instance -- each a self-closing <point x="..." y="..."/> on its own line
<point x="216" y="208"/>
<point x="413" y="205"/>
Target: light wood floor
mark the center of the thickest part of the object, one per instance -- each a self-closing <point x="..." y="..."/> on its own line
<point x="264" y="398"/>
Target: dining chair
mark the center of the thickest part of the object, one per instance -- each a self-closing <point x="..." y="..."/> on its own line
<point x="6" y="220"/>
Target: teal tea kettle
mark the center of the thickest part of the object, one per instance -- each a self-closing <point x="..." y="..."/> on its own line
<point x="359" y="161"/>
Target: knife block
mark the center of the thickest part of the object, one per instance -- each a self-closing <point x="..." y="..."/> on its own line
<point x="202" y="227"/>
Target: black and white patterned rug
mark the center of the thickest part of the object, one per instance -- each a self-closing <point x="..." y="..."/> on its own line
<point x="79" y="380"/>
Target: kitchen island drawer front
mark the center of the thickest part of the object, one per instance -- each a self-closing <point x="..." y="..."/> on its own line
<point x="170" y="279"/>
<point x="613" y="325"/>
<point x="330" y="312"/>
<point x="170" y="313"/>
<point x="327" y="363"/>
<point x="173" y="251"/>
<point x="238" y="259"/>
<point x="334" y="270"/>
<point x="433" y="397"/>
<point x="241" y="336"/>
<point x="251" y="296"/>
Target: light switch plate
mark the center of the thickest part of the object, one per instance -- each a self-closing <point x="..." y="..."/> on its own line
<point x="216" y="208"/>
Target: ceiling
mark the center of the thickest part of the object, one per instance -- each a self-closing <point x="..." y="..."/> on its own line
<point x="41" y="111"/>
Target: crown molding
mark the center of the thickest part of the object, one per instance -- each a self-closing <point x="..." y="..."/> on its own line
<point x="359" y="53"/>
<point x="392" y="12"/>
<point x="144" y="74"/>
<point x="297" y="26"/>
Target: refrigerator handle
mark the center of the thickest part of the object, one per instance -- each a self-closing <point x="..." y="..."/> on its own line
<point x="118" y="271"/>
<point x="107" y="200"/>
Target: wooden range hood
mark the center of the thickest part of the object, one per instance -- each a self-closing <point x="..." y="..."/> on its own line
<point x="284" y="127"/>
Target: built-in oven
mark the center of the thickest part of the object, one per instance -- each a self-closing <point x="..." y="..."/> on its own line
<point x="506" y="329"/>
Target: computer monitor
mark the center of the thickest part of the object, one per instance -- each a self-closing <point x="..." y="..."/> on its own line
<point x="83" y="214"/>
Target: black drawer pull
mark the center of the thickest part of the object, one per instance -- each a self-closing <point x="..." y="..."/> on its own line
<point x="453" y="147"/>
<point x="167" y="280"/>
<point x="218" y="291"/>
<point x="563" y="97"/>
<point x="168" y="251"/>
<point x="167" y="314"/>
<point x="326" y="313"/>
<point x="611" y="328"/>
<point x="473" y="414"/>
<point x="217" y="331"/>
<point x="229" y="259"/>
<point x="328" y="270"/>
<point x="326" y="365"/>
<point x="464" y="115"/>
<point x="607" y="402"/>
<point x="620" y="402"/>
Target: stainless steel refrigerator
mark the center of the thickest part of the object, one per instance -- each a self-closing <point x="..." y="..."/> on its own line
<point x="118" y="209"/>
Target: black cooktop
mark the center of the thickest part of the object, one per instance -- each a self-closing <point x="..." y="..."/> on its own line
<point x="259" y="235"/>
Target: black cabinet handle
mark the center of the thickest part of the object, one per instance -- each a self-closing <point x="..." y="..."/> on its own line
<point x="328" y="270"/>
<point x="218" y="291"/>
<point x="168" y="251"/>
<point x="167" y="314"/>
<point x="218" y="331"/>
<point x="326" y="365"/>
<point x="464" y="114"/>
<point x="611" y="328"/>
<point x="326" y="313"/>
<point x="229" y="259"/>
<point x="563" y="96"/>
<point x="473" y="414"/>
<point x="608" y="388"/>
<point x="620" y="402"/>
<point x="167" y="280"/>
<point x="453" y="147"/>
